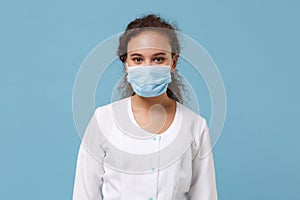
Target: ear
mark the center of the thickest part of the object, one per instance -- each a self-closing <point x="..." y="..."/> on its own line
<point x="174" y="63"/>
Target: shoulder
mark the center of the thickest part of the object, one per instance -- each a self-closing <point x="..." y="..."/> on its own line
<point x="197" y="125"/>
<point x="190" y="116"/>
<point x="106" y="108"/>
<point x="105" y="115"/>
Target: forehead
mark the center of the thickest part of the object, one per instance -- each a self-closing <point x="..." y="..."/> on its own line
<point x="148" y="41"/>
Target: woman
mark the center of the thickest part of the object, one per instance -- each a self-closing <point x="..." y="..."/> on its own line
<point x="147" y="145"/>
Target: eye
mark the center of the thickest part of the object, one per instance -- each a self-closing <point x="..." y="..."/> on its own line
<point x="137" y="59"/>
<point x="159" y="59"/>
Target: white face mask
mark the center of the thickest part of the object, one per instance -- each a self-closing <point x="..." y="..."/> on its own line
<point x="150" y="80"/>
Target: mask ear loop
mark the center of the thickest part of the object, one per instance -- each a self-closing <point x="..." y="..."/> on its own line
<point x="169" y="91"/>
<point x="171" y="66"/>
<point x="126" y="66"/>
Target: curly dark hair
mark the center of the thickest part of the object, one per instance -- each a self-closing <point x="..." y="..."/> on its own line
<point x="152" y="22"/>
<point x="148" y="23"/>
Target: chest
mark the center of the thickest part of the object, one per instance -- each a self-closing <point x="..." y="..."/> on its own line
<point x="156" y="120"/>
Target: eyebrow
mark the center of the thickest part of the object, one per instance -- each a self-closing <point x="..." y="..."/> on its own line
<point x="156" y="54"/>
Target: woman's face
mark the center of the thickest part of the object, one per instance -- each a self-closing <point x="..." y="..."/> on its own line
<point x="150" y="48"/>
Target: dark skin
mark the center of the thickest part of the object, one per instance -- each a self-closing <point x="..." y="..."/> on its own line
<point x="154" y="114"/>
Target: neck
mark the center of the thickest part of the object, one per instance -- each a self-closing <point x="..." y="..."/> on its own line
<point x="147" y="102"/>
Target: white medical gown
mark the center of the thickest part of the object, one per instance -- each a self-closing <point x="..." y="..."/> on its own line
<point x="118" y="160"/>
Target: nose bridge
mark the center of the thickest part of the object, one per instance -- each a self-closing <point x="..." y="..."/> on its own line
<point x="147" y="61"/>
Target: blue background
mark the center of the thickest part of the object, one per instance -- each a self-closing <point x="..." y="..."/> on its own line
<point x="255" y="45"/>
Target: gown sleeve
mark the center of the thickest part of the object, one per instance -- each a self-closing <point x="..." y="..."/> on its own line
<point x="89" y="168"/>
<point x="203" y="184"/>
